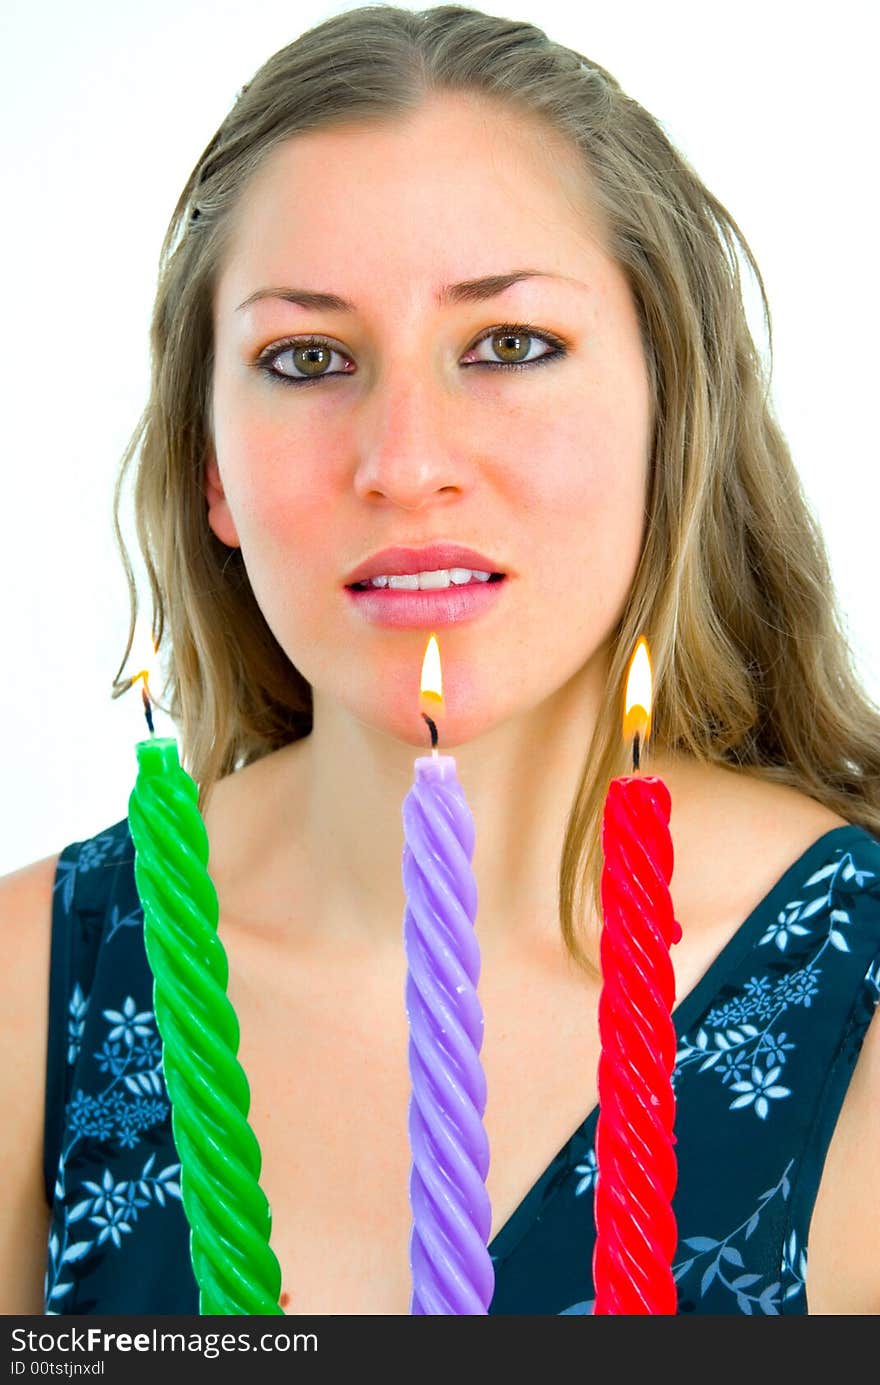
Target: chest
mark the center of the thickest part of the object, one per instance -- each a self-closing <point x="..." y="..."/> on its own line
<point x="325" y="1053"/>
<point x="324" y="1045"/>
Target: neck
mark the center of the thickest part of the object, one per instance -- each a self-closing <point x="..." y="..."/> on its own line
<point x="519" y="780"/>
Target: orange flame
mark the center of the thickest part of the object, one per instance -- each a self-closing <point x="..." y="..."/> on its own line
<point x="431" y="685"/>
<point x="639" y="691"/>
<point x="144" y="658"/>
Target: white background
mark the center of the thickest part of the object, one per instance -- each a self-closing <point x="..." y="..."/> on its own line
<point x="105" y="107"/>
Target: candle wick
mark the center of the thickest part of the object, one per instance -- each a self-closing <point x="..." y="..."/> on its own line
<point x="635" y="749"/>
<point x="148" y="711"/>
<point x="433" y="729"/>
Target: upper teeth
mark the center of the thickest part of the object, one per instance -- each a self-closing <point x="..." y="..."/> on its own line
<point x="424" y="581"/>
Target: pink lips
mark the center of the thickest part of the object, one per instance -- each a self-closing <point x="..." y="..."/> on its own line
<point x="430" y="608"/>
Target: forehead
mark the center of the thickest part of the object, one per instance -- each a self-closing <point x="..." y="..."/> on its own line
<point x="453" y="138"/>
<point x="460" y="187"/>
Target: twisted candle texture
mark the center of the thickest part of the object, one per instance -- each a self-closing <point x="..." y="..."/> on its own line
<point x="228" y="1215"/>
<point x="637" y="1172"/>
<point x="451" y="1267"/>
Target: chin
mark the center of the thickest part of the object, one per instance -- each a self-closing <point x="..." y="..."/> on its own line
<point x="479" y="697"/>
<point x="459" y="722"/>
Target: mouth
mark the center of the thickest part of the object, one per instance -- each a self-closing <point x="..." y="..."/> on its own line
<point x="413" y="588"/>
<point x="439" y="579"/>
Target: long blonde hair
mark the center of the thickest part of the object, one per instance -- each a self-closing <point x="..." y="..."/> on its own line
<point x="733" y="588"/>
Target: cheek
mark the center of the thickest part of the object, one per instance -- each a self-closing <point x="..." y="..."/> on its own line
<point x="287" y="552"/>
<point x="277" y="494"/>
<point x="583" y="479"/>
<point x="279" y="497"/>
<point x="269" y="470"/>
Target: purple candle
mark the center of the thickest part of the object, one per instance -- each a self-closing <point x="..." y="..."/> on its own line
<point x="452" y="1271"/>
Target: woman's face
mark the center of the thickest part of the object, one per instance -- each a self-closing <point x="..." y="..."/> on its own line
<point x="410" y="432"/>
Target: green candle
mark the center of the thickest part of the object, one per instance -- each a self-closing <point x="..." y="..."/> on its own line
<point x="229" y="1217"/>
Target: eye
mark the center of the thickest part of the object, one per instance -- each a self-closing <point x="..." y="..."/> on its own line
<point x="514" y="342"/>
<point x="311" y="356"/>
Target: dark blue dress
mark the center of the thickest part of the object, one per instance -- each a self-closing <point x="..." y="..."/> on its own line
<point x="767" y="1043"/>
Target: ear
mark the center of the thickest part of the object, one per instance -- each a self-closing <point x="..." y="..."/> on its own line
<point x="219" y="516"/>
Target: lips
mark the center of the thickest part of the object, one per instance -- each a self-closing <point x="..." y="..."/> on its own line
<point x="452" y="601"/>
<point x="417" y="610"/>
<point x="396" y="562"/>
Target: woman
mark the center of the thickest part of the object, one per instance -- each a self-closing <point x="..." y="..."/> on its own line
<point x="448" y="337"/>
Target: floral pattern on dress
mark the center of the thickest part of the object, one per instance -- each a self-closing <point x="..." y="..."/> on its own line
<point x="131" y="1103"/>
<point x="97" y="851"/>
<point x="741" y="1042"/>
<point x="745" y="1061"/>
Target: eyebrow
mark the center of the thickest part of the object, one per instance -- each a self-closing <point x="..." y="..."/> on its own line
<point x="468" y="291"/>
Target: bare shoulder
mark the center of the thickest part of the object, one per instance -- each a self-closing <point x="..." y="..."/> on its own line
<point x="25" y="938"/>
<point x="25" y="941"/>
<point x="734" y="836"/>
<point x="28" y="882"/>
<point x="719" y="793"/>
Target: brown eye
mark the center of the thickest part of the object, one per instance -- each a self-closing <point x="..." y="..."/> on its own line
<point x="511" y="346"/>
<point x="515" y="345"/>
<point x="306" y="360"/>
<point x="311" y="360"/>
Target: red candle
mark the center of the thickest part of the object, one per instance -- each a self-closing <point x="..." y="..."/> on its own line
<point x="635" y="1226"/>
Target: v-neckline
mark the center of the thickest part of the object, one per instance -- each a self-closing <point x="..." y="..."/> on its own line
<point x="685" y="1012"/>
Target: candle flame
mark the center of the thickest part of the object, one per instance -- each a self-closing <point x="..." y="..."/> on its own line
<point x="431" y="686"/>
<point x="639" y="688"/>
<point x="143" y="654"/>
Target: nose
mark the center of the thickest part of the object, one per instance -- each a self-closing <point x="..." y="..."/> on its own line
<point x="407" y="455"/>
